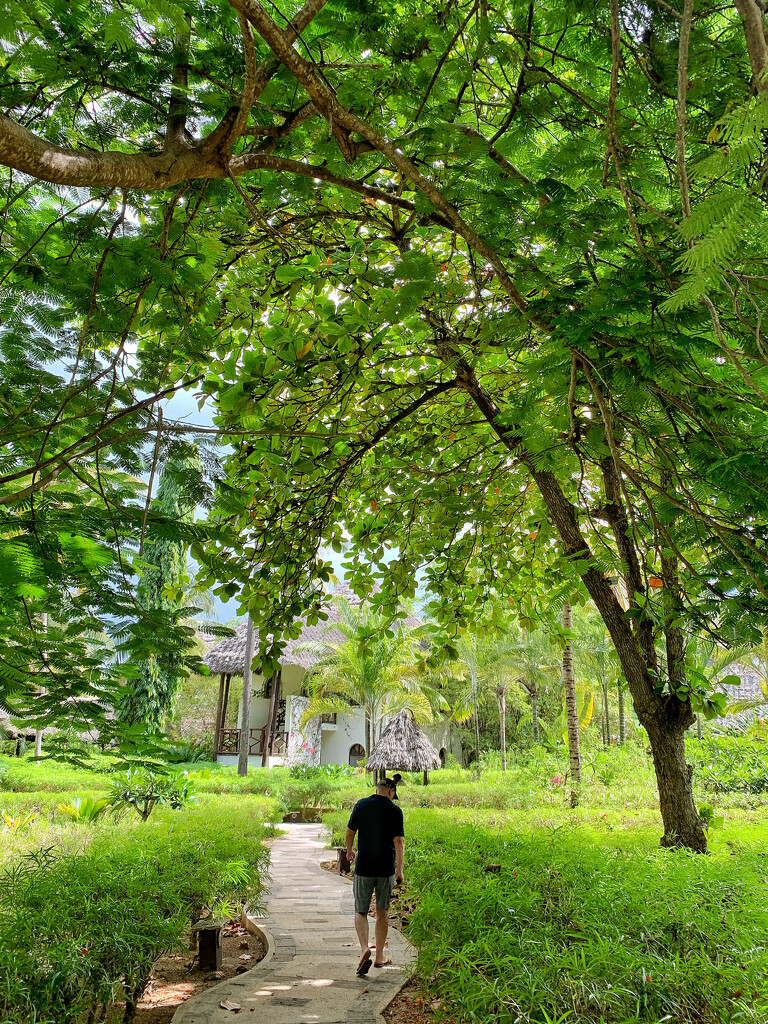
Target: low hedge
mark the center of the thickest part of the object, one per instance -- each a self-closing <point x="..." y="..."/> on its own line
<point x="80" y="929"/>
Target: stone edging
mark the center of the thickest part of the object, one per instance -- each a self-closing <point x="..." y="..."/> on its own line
<point x="250" y="925"/>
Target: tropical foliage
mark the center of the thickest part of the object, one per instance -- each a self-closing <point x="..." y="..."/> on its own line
<point x="373" y="667"/>
<point x="477" y="287"/>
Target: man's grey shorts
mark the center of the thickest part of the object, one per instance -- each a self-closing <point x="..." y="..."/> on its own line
<point x="363" y="887"/>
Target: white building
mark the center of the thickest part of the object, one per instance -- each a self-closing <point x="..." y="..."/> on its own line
<point x="278" y="704"/>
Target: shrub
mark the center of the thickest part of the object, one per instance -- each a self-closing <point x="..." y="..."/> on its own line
<point x="86" y="808"/>
<point x="144" y="790"/>
<point x="573" y="924"/>
<point x="730" y="764"/>
<point x="78" y="928"/>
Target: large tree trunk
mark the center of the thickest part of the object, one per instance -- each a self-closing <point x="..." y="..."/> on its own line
<point x="663" y="715"/>
<point x="569" y="684"/>
<point x="682" y="824"/>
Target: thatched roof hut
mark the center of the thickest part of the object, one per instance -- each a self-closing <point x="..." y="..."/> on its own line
<point x="228" y="656"/>
<point x="403" y="747"/>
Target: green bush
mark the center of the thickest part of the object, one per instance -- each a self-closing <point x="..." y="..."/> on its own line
<point x="574" y="924"/>
<point x="77" y="929"/>
<point x="143" y="790"/>
<point x="730" y="764"/>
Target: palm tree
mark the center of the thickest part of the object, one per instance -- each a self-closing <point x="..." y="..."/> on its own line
<point x="534" y="668"/>
<point x="491" y="664"/>
<point x="569" y="685"/>
<point x="594" y="647"/>
<point x="374" y="667"/>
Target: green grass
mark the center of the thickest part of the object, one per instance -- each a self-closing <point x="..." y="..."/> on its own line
<point x="87" y="908"/>
<point x="581" y="923"/>
<point x="525" y="910"/>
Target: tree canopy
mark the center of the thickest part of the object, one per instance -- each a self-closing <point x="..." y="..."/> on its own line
<point x="478" y="284"/>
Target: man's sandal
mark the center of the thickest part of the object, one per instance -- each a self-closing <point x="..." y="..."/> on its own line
<point x="384" y="963"/>
<point x="363" y="967"/>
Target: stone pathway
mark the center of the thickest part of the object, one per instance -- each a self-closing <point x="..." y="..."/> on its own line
<point x="308" y="974"/>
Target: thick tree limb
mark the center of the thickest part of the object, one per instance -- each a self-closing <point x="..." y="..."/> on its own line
<point x="343" y="121"/>
<point x="751" y="15"/>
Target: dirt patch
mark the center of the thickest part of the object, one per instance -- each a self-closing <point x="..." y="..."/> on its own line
<point x="413" y="1006"/>
<point x="176" y="977"/>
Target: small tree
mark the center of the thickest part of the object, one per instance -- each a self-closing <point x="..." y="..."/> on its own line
<point x="150" y="692"/>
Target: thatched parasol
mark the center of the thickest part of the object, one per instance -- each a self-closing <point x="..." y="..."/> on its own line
<point x="403" y="747"/>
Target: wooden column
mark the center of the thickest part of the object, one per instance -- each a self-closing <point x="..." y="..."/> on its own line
<point x="217" y="728"/>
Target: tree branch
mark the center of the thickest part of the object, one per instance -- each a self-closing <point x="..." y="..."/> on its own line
<point x="751" y="15"/>
<point x="682" y="89"/>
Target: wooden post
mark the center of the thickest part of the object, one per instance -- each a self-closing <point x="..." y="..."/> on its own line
<point x="245" y="724"/>
<point x="209" y="943"/>
<point x="270" y="721"/>
<point x="217" y="729"/>
<point x="426" y="778"/>
<point x="278" y="687"/>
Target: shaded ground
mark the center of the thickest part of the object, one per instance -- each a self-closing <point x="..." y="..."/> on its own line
<point x="412" y="1006"/>
<point x="176" y="977"/>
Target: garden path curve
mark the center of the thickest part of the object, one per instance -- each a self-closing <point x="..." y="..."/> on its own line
<point x="308" y="974"/>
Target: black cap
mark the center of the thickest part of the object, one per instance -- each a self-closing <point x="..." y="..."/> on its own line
<point x="390" y="784"/>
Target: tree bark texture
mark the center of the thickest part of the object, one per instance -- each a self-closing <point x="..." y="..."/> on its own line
<point x="476" y="717"/>
<point x="622" y="716"/>
<point x="682" y="824"/>
<point x="572" y="714"/>
<point x="606" y="716"/>
<point x="502" y="699"/>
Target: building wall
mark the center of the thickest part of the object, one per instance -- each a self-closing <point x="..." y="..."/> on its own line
<point x="335" y="741"/>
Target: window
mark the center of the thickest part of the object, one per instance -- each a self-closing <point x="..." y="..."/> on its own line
<point x="442" y="756"/>
<point x="356" y="754"/>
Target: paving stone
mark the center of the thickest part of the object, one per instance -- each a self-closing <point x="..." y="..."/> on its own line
<point x="308" y="976"/>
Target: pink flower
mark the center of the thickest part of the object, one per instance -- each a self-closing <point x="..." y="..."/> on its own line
<point x="556" y="780"/>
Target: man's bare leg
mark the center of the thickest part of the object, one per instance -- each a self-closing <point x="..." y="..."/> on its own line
<point x="361" y="927"/>
<point x="382" y="927"/>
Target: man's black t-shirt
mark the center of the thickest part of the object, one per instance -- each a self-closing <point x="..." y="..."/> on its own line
<point x="377" y="822"/>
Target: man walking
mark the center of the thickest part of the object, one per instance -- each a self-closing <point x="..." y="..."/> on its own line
<point x="380" y="850"/>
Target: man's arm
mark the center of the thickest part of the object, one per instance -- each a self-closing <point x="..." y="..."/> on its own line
<point x="399" y="855"/>
<point x="350" y="840"/>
